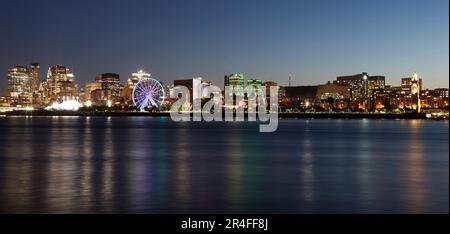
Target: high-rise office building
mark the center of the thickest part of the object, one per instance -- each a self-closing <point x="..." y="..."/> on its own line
<point x="255" y="84"/>
<point x="20" y="85"/>
<point x="374" y="84"/>
<point x="89" y="88"/>
<point x="362" y="85"/>
<point x="110" y="84"/>
<point x="60" y="84"/>
<point x="34" y="73"/>
<point x="267" y="85"/>
<point x="140" y="75"/>
<point x="236" y="79"/>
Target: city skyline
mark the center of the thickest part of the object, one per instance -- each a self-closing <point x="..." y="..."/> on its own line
<point x="223" y="38"/>
<point x="234" y="110"/>
<point x="59" y="91"/>
<point x="122" y="80"/>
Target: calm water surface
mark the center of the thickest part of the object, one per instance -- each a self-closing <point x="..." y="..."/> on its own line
<point x="153" y="165"/>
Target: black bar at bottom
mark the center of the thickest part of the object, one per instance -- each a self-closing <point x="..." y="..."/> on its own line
<point x="223" y="223"/>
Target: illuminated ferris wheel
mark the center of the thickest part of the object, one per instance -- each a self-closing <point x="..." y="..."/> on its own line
<point x="147" y="93"/>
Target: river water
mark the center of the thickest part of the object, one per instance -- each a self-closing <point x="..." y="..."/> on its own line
<point x="154" y="165"/>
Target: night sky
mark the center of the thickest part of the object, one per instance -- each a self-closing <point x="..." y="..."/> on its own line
<point x="315" y="41"/>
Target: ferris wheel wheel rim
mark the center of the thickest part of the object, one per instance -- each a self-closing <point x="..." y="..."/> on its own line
<point x="141" y="91"/>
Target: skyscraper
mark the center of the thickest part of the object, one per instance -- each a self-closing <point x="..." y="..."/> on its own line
<point x="20" y="85"/>
<point x="110" y="84"/>
<point x="236" y="79"/>
<point x="34" y="73"/>
<point x="256" y="85"/>
<point x="60" y="84"/>
<point x="140" y="75"/>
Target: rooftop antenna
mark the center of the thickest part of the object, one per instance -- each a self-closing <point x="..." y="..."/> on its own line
<point x="290" y="79"/>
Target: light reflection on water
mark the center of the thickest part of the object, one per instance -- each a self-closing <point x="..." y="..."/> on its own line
<point x="152" y="165"/>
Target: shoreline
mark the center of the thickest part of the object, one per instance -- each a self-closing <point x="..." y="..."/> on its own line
<point x="280" y="115"/>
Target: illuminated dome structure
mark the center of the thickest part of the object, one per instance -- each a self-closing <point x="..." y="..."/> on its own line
<point x="147" y="93"/>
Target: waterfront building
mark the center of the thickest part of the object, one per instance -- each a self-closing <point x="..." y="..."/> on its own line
<point x="36" y="83"/>
<point x="20" y="85"/>
<point x="435" y="99"/>
<point x="393" y="96"/>
<point x="363" y="89"/>
<point x="441" y="93"/>
<point x="357" y="83"/>
<point x="254" y="82"/>
<point x="237" y="79"/>
<point x="5" y="103"/>
<point x="415" y="92"/>
<point x="375" y="84"/>
<point x="136" y="77"/>
<point x="89" y="88"/>
<point x="267" y="85"/>
<point x="188" y="83"/>
<point x="406" y="84"/>
<point x="140" y="75"/>
<point x="305" y="95"/>
<point x="300" y="92"/>
<point x="362" y="86"/>
<point x="34" y="73"/>
<point x="110" y="85"/>
<point x="332" y="90"/>
<point x="206" y="88"/>
<point x="409" y="95"/>
<point x="197" y="88"/>
<point x="256" y="85"/>
<point x="60" y="84"/>
<point x="98" y="98"/>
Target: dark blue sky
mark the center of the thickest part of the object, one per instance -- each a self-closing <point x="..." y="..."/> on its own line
<point x="173" y="39"/>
